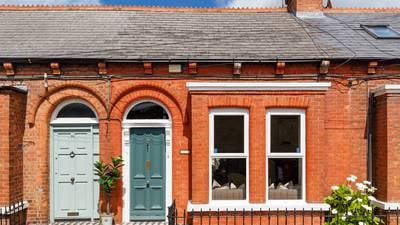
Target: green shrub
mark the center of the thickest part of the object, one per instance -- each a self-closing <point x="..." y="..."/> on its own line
<point x="351" y="204"/>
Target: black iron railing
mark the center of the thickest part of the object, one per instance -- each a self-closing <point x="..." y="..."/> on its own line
<point x="14" y="213"/>
<point x="268" y="217"/>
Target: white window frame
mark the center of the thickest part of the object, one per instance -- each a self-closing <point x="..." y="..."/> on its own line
<point x="301" y="155"/>
<point x="245" y="154"/>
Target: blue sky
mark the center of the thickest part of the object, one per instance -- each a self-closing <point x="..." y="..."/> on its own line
<point x="178" y="3"/>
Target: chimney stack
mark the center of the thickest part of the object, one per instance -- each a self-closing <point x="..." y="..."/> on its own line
<point x="305" y="8"/>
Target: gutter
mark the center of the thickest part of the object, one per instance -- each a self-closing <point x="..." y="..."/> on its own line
<point x="47" y="59"/>
<point x="370" y="133"/>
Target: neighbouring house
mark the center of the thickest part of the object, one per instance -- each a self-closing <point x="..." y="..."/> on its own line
<point x="214" y="108"/>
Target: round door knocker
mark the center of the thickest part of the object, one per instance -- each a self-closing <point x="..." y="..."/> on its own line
<point x="72" y="154"/>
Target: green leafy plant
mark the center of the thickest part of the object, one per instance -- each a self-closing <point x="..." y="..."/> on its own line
<point x="109" y="174"/>
<point x="351" y="204"/>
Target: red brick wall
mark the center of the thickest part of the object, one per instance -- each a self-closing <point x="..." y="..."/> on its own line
<point x="12" y="115"/>
<point x="380" y="163"/>
<point x="387" y="147"/>
<point x="336" y="123"/>
<point x="4" y="148"/>
<point x="305" y="5"/>
<point x="257" y="103"/>
<point x="271" y="218"/>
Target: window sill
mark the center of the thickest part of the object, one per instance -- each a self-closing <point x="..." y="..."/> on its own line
<point x="273" y="205"/>
<point x="386" y="205"/>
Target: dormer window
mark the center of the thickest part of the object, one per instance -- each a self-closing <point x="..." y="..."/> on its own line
<point x="381" y="31"/>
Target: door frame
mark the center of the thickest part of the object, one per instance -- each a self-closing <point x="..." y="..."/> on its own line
<point x="145" y="123"/>
<point x="68" y="124"/>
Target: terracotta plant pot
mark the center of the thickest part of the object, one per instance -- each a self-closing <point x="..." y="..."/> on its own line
<point x="106" y="219"/>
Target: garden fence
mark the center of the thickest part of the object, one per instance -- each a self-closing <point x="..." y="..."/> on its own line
<point x="269" y="217"/>
<point x="14" y="213"/>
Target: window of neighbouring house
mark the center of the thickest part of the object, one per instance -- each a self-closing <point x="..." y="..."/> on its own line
<point x="285" y="154"/>
<point x="229" y="154"/>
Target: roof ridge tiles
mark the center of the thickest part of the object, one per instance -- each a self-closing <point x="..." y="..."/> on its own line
<point x="88" y="7"/>
<point x="363" y="10"/>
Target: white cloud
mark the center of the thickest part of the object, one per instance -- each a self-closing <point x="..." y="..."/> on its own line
<point x="336" y="3"/>
<point x="50" y="2"/>
<point x="366" y="3"/>
<point x="250" y="3"/>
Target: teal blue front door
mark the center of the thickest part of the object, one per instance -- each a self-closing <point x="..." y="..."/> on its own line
<point x="147" y="174"/>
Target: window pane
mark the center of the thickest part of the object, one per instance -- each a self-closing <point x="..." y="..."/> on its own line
<point x="383" y="31"/>
<point x="76" y="110"/>
<point x="147" y="110"/>
<point x="228" y="134"/>
<point x="228" y="179"/>
<point x="284" y="178"/>
<point x="285" y="134"/>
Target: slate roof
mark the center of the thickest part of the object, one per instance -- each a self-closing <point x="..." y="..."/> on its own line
<point x="341" y="35"/>
<point x="161" y="35"/>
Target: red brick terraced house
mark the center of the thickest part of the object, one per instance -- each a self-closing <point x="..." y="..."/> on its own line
<point x="217" y="109"/>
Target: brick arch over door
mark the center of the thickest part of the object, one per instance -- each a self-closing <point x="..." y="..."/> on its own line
<point x="38" y="149"/>
<point x="139" y="93"/>
<point x="68" y="91"/>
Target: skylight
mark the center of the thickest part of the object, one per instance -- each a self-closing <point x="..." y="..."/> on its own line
<point x="381" y="31"/>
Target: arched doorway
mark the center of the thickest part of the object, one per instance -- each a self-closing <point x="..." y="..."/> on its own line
<point x="147" y="153"/>
<point x="74" y="147"/>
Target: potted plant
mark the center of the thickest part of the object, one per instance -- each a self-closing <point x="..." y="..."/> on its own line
<point x="109" y="174"/>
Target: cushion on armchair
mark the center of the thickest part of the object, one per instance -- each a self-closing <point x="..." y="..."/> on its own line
<point x="228" y="194"/>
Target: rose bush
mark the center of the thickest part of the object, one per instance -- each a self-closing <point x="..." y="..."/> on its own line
<point x="351" y="204"/>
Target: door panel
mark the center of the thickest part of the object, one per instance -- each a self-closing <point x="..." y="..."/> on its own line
<point x="73" y="173"/>
<point x="147" y="173"/>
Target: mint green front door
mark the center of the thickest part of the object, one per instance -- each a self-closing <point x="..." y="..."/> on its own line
<point x="147" y="169"/>
<point x="74" y="150"/>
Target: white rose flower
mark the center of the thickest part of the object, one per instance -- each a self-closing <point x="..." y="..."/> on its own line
<point x="371" y="198"/>
<point x="334" y="211"/>
<point x="343" y="218"/>
<point x="335" y="188"/>
<point x="368" y="208"/>
<point x="361" y="186"/>
<point x="367" y="182"/>
<point x="351" y="178"/>
<point x="372" y="189"/>
<point x="348" y="198"/>
<point x="349" y="213"/>
<point x="361" y="223"/>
